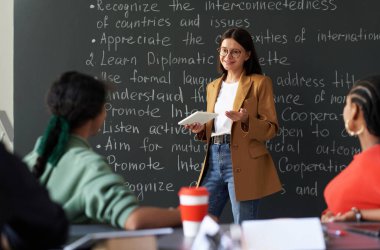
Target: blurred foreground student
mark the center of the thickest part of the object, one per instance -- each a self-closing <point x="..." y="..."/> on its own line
<point x="77" y="177"/>
<point x="354" y="194"/>
<point x="28" y="218"/>
<point x="237" y="165"/>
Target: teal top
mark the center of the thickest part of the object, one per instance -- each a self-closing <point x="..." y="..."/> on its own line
<point x="85" y="185"/>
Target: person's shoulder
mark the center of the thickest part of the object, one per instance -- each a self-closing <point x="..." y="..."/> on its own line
<point x="83" y="162"/>
<point x="214" y="82"/>
<point x="368" y="157"/>
<point x="217" y="79"/>
<point x="260" y="78"/>
<point x="83" y="152"/>
<point x="261" y="81"/>
<point x="79" y="152"/>
<point x="4" y="153"/>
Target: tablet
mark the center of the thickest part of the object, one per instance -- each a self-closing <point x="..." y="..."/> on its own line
<point x="199" y="116"/>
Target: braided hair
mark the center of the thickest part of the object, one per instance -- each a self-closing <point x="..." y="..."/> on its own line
<point x="366" y="94"/>
<point x="73" y="99"/>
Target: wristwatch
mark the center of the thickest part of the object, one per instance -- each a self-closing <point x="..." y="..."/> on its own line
<point x="358" y="214"/>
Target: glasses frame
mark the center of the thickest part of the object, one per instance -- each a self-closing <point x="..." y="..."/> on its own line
<point x="235" y="53"/>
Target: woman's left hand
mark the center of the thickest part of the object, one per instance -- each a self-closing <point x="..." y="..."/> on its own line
<point x="242" y="115"/>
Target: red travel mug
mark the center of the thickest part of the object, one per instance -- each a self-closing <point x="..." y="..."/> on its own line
<point x="194" y="207"/>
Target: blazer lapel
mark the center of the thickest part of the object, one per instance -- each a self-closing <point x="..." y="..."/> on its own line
<point x="245" y="83"/>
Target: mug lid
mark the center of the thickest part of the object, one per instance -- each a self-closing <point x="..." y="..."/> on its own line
<point x="198" y="191"/>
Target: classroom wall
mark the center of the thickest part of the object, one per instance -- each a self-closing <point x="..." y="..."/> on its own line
<point x="6" y="73"/>
<point x="6" y="57"/>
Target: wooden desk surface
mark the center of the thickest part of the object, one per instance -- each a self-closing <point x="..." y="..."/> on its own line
<point x="176" y="240"/>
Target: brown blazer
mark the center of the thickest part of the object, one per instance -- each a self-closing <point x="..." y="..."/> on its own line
<point x="255" y="174"/>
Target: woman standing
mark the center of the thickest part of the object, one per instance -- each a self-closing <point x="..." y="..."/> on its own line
<point x="77" y="177"/>
<point x="237" y="164"/>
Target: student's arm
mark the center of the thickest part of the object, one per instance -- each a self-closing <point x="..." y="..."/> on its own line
<point x="153" y="217"/>
<point x="371" y="214"/>
<point x="366" y="215"/>
<point x="107" y="199"/>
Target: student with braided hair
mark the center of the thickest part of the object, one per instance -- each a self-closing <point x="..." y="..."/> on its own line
<point x="354" y="193"/>
<point x="77" y="177"/>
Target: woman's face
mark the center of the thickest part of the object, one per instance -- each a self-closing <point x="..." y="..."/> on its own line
<point x="232" y="55"/>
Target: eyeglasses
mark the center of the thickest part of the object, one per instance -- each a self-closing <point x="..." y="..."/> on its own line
<point x="235" y="53"/>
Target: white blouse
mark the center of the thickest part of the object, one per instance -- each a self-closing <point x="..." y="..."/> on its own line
<point x="225" y="102"/>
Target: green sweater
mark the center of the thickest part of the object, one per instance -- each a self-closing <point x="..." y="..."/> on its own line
<point x="85" y="185"/>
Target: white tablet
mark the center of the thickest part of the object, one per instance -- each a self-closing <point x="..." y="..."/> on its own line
<point x="199" y="116"/>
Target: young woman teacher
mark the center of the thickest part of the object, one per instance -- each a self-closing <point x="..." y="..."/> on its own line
<point x="237" y="164"/>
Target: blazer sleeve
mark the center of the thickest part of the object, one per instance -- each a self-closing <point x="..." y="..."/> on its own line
<point x="263" y="123"/>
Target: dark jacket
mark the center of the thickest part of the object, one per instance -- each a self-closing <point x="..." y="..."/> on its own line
<point x="28" y="218"/>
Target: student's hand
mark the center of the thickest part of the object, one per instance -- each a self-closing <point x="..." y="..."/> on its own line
<point x="242" y="115"/>
<point x="330" y="217"/>
<point x="195" y="127"/>
<point x="348" y="216"/>
<point x="327" y="217"/>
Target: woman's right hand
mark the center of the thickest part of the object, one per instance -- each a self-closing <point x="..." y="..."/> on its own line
<point x="328" y="216"/>
<point x="195" y="127"/>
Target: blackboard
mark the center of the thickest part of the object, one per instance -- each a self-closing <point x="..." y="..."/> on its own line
<point x="161" y="54"/>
